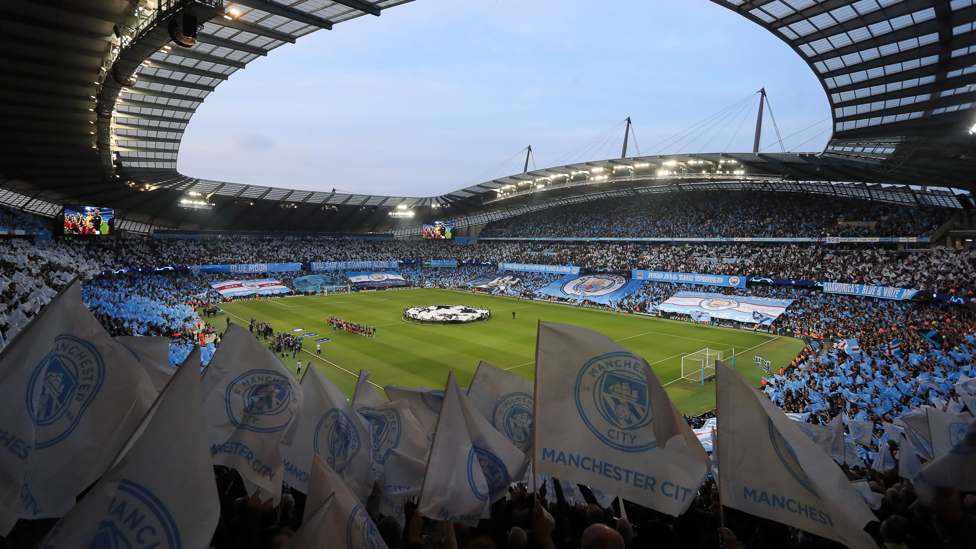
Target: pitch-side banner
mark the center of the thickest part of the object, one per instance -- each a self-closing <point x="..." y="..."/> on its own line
<point x="864" y="290"/>
<point x="759" y="310"/>
<point x="264" y="286"/>
<point x="492" y="282"/>
<point x="691" y="278"/>
<point x="450" y="263"/>
<point x="376" y="280"/>
<point x="598" y="288"/>
<point x="530" y="268"/>
<point x="343" y="265"/>
<point x="246" y="268"/>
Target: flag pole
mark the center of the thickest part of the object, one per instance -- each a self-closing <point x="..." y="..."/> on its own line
<point x="718" y="480"/>
<point x="535" y="401"/>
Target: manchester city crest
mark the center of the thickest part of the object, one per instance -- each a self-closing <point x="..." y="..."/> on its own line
<point x="432" y="400"/>
<point x="136" y="518"/>
<point x="734" y="281"/>
<point x="262" y="401"/>
<point x="957" y="432"/>
<point x="196" y="269"/>
<point x="788" y="458"/>
<point x="513" y="417"/>
<point x="384" y="426"/>
<point x="857" y="431"/>
<point x="495" y="472"/>
<point x="336" y="439"/>
<point x="378" y="277"/>
<point x="611" y="397"/>
<point x="62" y="386"/>
<point x="361" y="533"/>
<point x="718" y="303"/>
<point x="594" y="285"/>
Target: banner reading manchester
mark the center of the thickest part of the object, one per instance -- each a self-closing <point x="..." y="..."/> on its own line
<point x="691" y="278"/>
<point x="758" y="310"/>
<point x="376" y="280"/>
<point x="864" y="290"/>
<point x="235" y="288"/>
<point x="597" y="287"/>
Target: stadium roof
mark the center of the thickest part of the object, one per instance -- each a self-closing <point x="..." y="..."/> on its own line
<point x="96" y="94"/>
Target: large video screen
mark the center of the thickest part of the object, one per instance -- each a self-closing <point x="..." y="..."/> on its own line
<point x="440" y="230"/>
<point x="87" y="220"/>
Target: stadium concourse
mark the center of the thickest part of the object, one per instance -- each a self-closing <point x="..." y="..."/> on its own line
<point x="869" y="367"/>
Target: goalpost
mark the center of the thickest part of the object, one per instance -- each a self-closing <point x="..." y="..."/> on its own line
<point x="700" y="365"/>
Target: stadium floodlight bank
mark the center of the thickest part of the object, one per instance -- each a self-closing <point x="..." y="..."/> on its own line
<point x="700" y="365"/>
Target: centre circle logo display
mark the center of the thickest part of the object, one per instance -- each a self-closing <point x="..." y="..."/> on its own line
<point x="594" y="285"/>
<point x="384" y="426"/>
<point x="494" y="470"/>
<point x="513" y="417"/>
<point x="611" y="397"/>
<point x="154" y="527"/>
<point x="718" y="303"/>
<point x="262" y="401"/>
<point x="63" y="385"/>
<point x="788" y="458"/>
<point x="361" y="533"/>
<point x="432" y="400"/>
<point x="336" y="439"/>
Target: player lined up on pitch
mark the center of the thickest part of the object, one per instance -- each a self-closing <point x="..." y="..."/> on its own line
<point x="339" y="324"/>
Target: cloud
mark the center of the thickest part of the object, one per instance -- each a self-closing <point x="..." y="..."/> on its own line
<point x="253" y="142"/>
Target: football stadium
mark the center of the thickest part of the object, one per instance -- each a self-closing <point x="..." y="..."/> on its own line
<point x="713" y="341"/>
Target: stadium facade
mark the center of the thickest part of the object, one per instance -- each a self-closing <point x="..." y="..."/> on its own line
<point x="97" y="95"/>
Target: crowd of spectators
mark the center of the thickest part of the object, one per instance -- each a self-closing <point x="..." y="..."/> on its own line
<point x="723" y="214"/>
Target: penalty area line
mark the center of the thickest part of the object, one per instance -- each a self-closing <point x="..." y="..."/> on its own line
<point x="735" y="354"/>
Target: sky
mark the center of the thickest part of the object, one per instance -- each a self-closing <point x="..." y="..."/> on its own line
<point x="437" y="95"/>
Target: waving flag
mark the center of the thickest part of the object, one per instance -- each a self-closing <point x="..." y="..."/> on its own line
<point x="398" y="446"/>
<point x="71" y="396"/>
<point x="365" y="395"/>
<point x="326" y="425"/>
<point x="947" y="430"/>
<point x="884" y="461"/>
<point x="334" y="517"/>
<point x="506" y="400"/>
<point x="861" y="431"/>
<point x="771" y="469"/>
<point x="837" y="442"/>
<point x="609" y="422"/>
<point x="153" y="354"/>
<point x="908" y="463"/>
<point x="250" y="403"/>
<point x="957" y="468"/>
<point x="821" y="435"/>
<point x="160" y="492"/>
<point x="425" y="402"/>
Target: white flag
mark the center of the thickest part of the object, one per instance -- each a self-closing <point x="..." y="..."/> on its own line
<point x="851" y="456"/>
<point x="425" y="402"/>
<point x="161" y="492"/>
<point x="870" y="498"/>
<point x="947" y="430"/>
<point x="908" y="464"/>
<point x="771" y="469"/>
<point x="837" y="442"/>
<point x="326" y="425"/>
<point x="70" y="398"/>
<point x="334" y="517"/>
<point x="821" y="435"/>
<point x="455" y="488"/>
<point x="966" y="385"/>
<point x="884" y="461"/>
<point x="957" y="469"/>
<point x="506" y="400"/>
<point x="861" y="431"/>
<point x="916" y="424"/>
<point x="398" y="445"/>
<point x="152" y="353"/>
<point x="365" y="395"/>
<point x="597" y="401"/>
<point x="251" y="399"/>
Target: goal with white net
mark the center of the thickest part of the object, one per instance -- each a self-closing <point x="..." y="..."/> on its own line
<point x="700" y="365"/>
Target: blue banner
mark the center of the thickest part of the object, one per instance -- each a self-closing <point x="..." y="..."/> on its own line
<point x="343" y="265"/>
<point x="531" y="268"/>
<point x="314" y="283"/>
<point x="597" y="288"/>
<point x="705" y="306"/>
<point x="247" y="268"/>
<point x="864" y="290"/>
<point x="452" y="263"/>
<point x="691" y="278"/>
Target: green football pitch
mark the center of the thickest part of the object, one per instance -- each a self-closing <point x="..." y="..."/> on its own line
<point x="414" y="355"/>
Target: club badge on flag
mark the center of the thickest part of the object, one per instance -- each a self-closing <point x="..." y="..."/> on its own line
<point x="506" y="400"/>
<point x="425" y="402"/>
<point x="861" y="431"/>
<point x="771" y="469"/>
<point x="398" y="445"/>
<point x="609" y="422"/>
<point x="327" y="426"/>
<point x="251" y="399"/>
